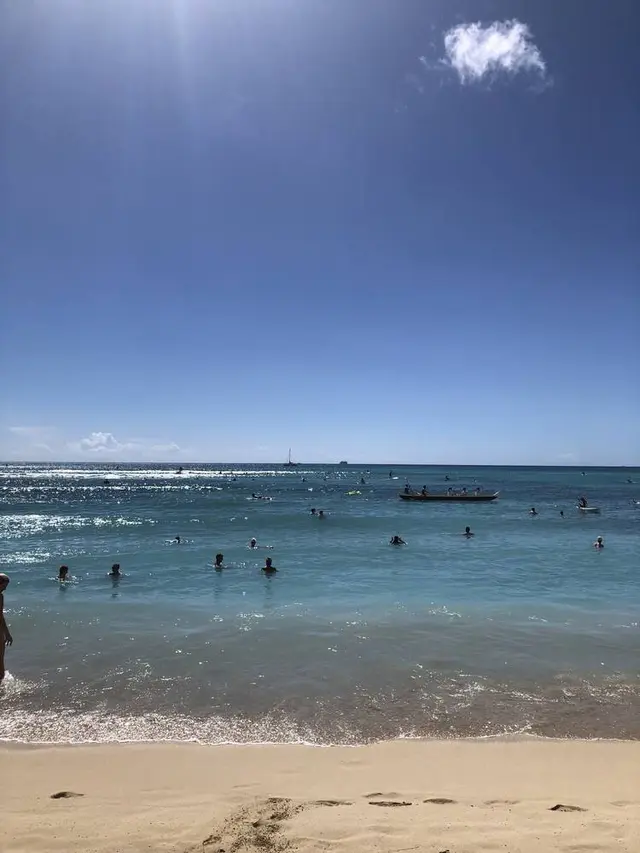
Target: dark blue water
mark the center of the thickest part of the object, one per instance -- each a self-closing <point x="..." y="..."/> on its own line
<point x="524" y="627"/>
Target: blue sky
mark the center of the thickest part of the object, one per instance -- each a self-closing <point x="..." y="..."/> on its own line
<point x="373" y="230"/>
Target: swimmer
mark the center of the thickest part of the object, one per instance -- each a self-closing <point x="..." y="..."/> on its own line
<point x="177" y="540"/>
<point x="115" y="571"/>
<point x="63" y="571"/>
<point x="561" y="513"/>
<point x="253" y="543"/>
<point x="268" y="567"/>
<point x="321" y="514"/>
<point x="599" y="543"/>
<point x="468" y="533"/>
<point x="218" y="562"/>
<point x="314" y="511"/>
<point x="533" y="511"/>
<point x="5" y="635"/>
<point x="397" y="540"/>
<point x="363" y="482"/>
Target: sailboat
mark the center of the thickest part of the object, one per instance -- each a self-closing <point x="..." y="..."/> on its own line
<point x="289" y="463"/>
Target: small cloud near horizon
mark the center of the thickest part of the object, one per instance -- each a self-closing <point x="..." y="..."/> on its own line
<point x="476" y="51"/>
<point x="100" y="443"/>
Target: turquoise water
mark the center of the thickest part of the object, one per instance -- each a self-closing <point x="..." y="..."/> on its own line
<point x="524" y="627"/>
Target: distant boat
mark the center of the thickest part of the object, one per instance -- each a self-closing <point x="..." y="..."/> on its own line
<point x="289" y="463"/>
<point x="344" y="462"/>
<point x="468" y="498"/>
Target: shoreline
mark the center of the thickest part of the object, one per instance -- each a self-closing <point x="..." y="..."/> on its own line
<point x="525" y="794"/>
<point x="506" y="737"/>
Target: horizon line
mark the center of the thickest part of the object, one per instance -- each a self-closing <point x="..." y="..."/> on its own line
<point x="193" y="463"/>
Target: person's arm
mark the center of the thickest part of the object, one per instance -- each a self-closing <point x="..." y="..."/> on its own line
<point x="7" y="639"/>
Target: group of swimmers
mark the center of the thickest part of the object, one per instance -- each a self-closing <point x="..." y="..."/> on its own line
<point x="398" y="540"/>
<point x="63" y="573"/>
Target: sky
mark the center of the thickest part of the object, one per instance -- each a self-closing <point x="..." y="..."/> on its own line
<point x="374" y="230"/>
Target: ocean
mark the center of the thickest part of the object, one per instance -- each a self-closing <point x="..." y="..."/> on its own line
<point x="524" y="628"/>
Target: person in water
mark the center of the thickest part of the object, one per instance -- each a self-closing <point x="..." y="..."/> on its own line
<point x="583" y="501"/>
<point x="425" y="491"/>
<point x="253" y="543"/>
<point x="218" y="562"/>
<point x="599" y="543"/>
<point x="177" y="540"/>
<point x="268" y="567"/>
<point x="314" y="511"/>
<point x="115" y="571"/>
<point x="397" y="540"/>
<point x="533" y="511"/>
<point x="321" y="514"/>
<point x="5" y="635"/>
<point x="63" y="571"/>
<point x="561" y="513"/>
<point x="468" y="533"/>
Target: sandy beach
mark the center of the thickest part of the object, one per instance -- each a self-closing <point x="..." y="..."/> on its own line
<point x="427" y="796"/>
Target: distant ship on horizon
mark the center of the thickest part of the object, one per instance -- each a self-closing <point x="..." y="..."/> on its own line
<point x="289" y="463"/>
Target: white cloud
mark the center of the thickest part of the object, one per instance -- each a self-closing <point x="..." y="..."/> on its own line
<point x="476" y="51"/>
<point x="102" y="442"/>
<point x="106" y="444"/>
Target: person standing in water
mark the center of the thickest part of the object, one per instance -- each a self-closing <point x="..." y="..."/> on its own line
<point x="5" y="635"/>
<point x="468" y="533"/>
<point x="218" y="562"/>
<point x="115" y="571"/>
<point x="599" y="543"/>
<point x="63" y="572"/>
<point x="268" y="567"/>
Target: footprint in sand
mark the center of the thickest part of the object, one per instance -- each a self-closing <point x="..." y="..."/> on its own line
<point x="389" y="803"/>
<point x="388" y="795"/>
<point x="331" y="803"/>
<point x="560" y="807"/>
<point x="65" y="795"/>
<point x="439" y="801"/>
<point x="501" y="802"/>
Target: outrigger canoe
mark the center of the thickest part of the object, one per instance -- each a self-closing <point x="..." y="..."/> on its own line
<point x="469" y="498"/>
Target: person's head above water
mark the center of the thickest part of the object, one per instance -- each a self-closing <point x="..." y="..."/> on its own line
<point x="253" y="542"/>
<point x="4" y="581"/>
<point x="467" y="529"/>
<point x="115" y="569"/>
<point x="63" y="571"/>
<point x="177" y="539"/>
<point x="219" y="559"/>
